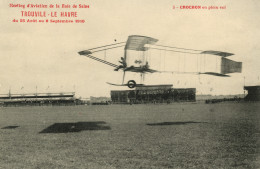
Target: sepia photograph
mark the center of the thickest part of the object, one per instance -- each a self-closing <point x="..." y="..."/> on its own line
<point x="131" y="84"/>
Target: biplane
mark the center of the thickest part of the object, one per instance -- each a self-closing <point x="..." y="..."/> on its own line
<point x="140" y="64"/>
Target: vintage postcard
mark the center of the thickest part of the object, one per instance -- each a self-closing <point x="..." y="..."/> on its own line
<point x="129" y="84"/>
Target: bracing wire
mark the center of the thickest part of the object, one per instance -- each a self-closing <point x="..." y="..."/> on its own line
<point x="216" y="63"/>
<point x="148" y="58"/>
<point x="184" y="62"/>
<point x="197" y="63"/>
<point x="143" y="56"/>
<point x="160" y="60"/>
<point x="204" y="62"/>
<point x="179" y="62"/>
<point x="173" y="50"/>
<point x="178" y="48"/>
<point x="106" y="49"/>
<point x="164" y="60"/>
<point x="200" y="63"/>
<point x="105" y="54"/>
<point x="106" y="45"/>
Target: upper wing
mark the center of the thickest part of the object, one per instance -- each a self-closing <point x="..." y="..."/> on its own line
<point x="102" y="48"/>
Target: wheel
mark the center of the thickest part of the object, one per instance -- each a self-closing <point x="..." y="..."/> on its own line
<point x="131" y="84"/>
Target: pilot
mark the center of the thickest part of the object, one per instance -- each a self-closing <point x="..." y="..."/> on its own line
<point x="123" y="64"/>
<point x="146" y="66"/>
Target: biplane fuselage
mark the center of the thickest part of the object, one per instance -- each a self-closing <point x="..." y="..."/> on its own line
<point x="140" y="69"/>
<point x="140" y="44"/>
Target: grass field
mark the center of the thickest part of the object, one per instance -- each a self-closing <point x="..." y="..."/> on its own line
<point x="225" y="135"/>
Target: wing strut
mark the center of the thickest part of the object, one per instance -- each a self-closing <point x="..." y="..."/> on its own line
<point x="123" y="78"/>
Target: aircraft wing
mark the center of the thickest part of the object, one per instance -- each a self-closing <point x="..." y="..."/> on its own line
<point x="218" y="53"/>
<point x="195" y="73"/>
<point x="102" y="48"/>
<point x="215" y="74"/>
<point x="97" y="59"/>
<point x="137" y="42"/>
<point x="136" y="57"/>
<point x="88" y="52"/>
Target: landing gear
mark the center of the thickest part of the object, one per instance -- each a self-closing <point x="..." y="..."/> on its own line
<point x="131" y="84"/>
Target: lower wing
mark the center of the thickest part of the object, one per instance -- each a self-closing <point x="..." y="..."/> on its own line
<point x="195" y="73"/>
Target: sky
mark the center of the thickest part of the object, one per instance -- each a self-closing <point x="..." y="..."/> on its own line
<point x="44" y="57"/>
